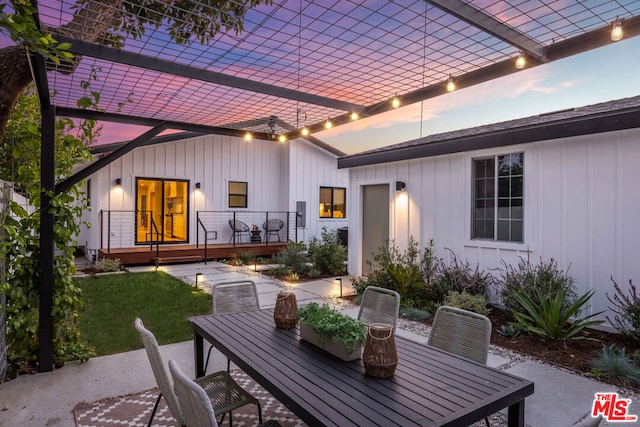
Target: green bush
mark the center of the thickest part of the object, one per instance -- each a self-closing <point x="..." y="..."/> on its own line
<point x="328" y="255"/>
<point x="467" y="301"/>
<point x="548" y="317"/>
<point x="414" y="314"/>
<point x="107" y="265"/>
<point x="457" y="276"/>
<point x="615" y="364"/>
<point x="545" y="279"/>
<point x="508" y="331"/>
<point x="293" y="257"/>
<point x="627" y="309"/>
<point x="245" y="257"/>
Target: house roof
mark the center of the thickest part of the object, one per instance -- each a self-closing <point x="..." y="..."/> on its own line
<point x="307" y="61"/>
<point x="597" y="118"/>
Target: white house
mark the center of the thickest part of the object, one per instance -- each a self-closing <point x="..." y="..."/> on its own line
<point x="562" y="185"/>
<point x="172" y="191"/>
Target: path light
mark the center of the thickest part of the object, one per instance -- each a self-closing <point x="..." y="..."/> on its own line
<point x="339" y="279"/>
<point x="197" y="275"/>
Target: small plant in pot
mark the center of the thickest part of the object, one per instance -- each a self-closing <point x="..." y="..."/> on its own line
<point x="332" y="330"/>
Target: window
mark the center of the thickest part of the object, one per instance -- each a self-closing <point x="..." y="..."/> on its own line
<point x="498" y="198"/>
<point x="237" y="194"/>
<point x="333" y="202"/>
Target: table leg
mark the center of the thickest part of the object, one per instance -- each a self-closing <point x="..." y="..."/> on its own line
<point x="516" y="414"/>
<point x="198" y="354"/>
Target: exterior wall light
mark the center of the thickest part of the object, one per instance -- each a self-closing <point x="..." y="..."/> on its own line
<point x="400" y="185"/>
<point x="198" y="185"/>
<point x="118" y="181"/>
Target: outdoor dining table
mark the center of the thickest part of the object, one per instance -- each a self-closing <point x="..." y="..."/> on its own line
<point x="430" y="387"/>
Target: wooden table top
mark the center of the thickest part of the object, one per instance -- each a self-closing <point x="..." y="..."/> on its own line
<point x="429" y="388"/>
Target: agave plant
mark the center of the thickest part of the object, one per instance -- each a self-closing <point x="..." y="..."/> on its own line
<point x="547" y="317"/>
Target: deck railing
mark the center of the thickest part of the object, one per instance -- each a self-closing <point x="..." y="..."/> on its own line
<point x="118" y="228"/>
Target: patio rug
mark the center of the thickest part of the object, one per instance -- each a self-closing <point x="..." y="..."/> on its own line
<point x="134" y="409"/>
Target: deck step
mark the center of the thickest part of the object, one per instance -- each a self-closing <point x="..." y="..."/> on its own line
<point x="178" y="259"/>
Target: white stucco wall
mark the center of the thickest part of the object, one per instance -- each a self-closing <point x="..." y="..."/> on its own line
<point x="581" y="204"/>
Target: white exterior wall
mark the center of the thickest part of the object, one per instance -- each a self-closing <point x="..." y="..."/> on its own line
<point x="581" y="202"/>
<point x="309" y="169"/>
<point x="277" y="176"/>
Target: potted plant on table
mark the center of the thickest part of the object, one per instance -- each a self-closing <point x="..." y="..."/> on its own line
<point x="331" y="330"/>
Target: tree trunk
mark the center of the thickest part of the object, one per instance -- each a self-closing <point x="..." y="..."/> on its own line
<point x="15" y="76"/>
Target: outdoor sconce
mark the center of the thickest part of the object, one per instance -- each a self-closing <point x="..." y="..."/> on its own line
<point x="400" y="185"/>
<point x="118" y="181"/>
<point x="198" y="185"/>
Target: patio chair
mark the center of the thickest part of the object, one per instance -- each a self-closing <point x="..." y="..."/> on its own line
<point x="194" y="402"/>
<point x="461" y="332"/>
<point x="238" y="228"/>
<point x="379" y="305"/>
<point x="235" y="296"/>
<point x="224" y="393"/>
<point x="273" y="226"/>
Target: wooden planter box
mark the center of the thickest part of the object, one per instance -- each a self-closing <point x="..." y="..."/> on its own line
<point x="335" y="347"/>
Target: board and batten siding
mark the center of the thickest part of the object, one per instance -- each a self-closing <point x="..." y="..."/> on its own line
<point x="309" y="169"/>
<point x="277" y="176"/>
<point x="581" y="197"/>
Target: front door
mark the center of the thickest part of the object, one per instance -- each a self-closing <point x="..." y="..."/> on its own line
<point x="162" y="210"/>
<point x="375" y="222"/>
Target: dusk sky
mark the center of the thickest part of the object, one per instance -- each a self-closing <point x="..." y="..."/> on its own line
<point x="604" y="74"/>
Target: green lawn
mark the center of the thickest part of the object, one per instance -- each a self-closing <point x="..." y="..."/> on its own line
<point x="112" y="302"/>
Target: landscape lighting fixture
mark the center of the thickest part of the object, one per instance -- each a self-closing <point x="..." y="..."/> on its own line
<point x="520" y="62"/>
<point x="451" y="86"/>
<point x="616" y="31"/>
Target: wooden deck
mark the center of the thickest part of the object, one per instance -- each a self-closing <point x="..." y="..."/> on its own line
<point x="143" y="255"/>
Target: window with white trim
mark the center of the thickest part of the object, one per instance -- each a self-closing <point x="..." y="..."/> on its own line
<point x="498" y="202"/>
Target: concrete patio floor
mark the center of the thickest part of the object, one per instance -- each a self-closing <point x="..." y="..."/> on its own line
<point x="48" y="399"/>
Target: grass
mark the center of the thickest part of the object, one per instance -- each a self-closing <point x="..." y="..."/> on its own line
<point x="112" y="302"/>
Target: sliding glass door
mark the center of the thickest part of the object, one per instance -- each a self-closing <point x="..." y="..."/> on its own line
<point x="162" y="210"/>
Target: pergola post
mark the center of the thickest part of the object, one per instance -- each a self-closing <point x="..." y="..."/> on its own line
<point x="47" y="185"/>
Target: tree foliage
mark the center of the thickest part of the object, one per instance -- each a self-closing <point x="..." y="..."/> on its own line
<point x="21" y="250"/>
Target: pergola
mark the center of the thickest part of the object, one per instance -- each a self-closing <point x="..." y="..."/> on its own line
<point x="296" y="66"/>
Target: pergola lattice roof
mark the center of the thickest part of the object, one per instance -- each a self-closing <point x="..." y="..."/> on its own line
<point x="307" y="61"/>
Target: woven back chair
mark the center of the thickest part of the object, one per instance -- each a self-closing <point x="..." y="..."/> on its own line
<point x="194" y="402"/>
<point x="223" y="392"/>
<point x="461" y="332"/>
<point x="237" y="228"/>
<point x="235" y="296"/>
<point x="273" y="226"/>
<point x="379" y="305"/>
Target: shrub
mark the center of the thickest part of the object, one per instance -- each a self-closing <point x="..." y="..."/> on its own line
<point x="545" y="279"/>
<point x="106" y="265"/>
<point x="467" y="301"/>
<point x="548" y="317"/>
<point x="314" y="273"/>
<point x="457" y="276"/>
<point x="614" y="363"/>
<point x="508" y="331"/>
<point x="414" y="314"/>
<point x="245" y="257"/>
<point x="293" y="257"/>
<point x="627" y="309"/>
<point x="328" y="255"/>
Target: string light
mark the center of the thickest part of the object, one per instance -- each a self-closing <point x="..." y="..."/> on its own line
<point x="282" y="137"/>
<point x="521" y="61"/>
<point x="248" y="136"/>
<point x="451" y="86"/>
<point x="616" y="31"/>
<point x="354" y="116"/>
<point x="328" y="124"/>
<point x="395" y="102"/>
<point x="305" y="131"/>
